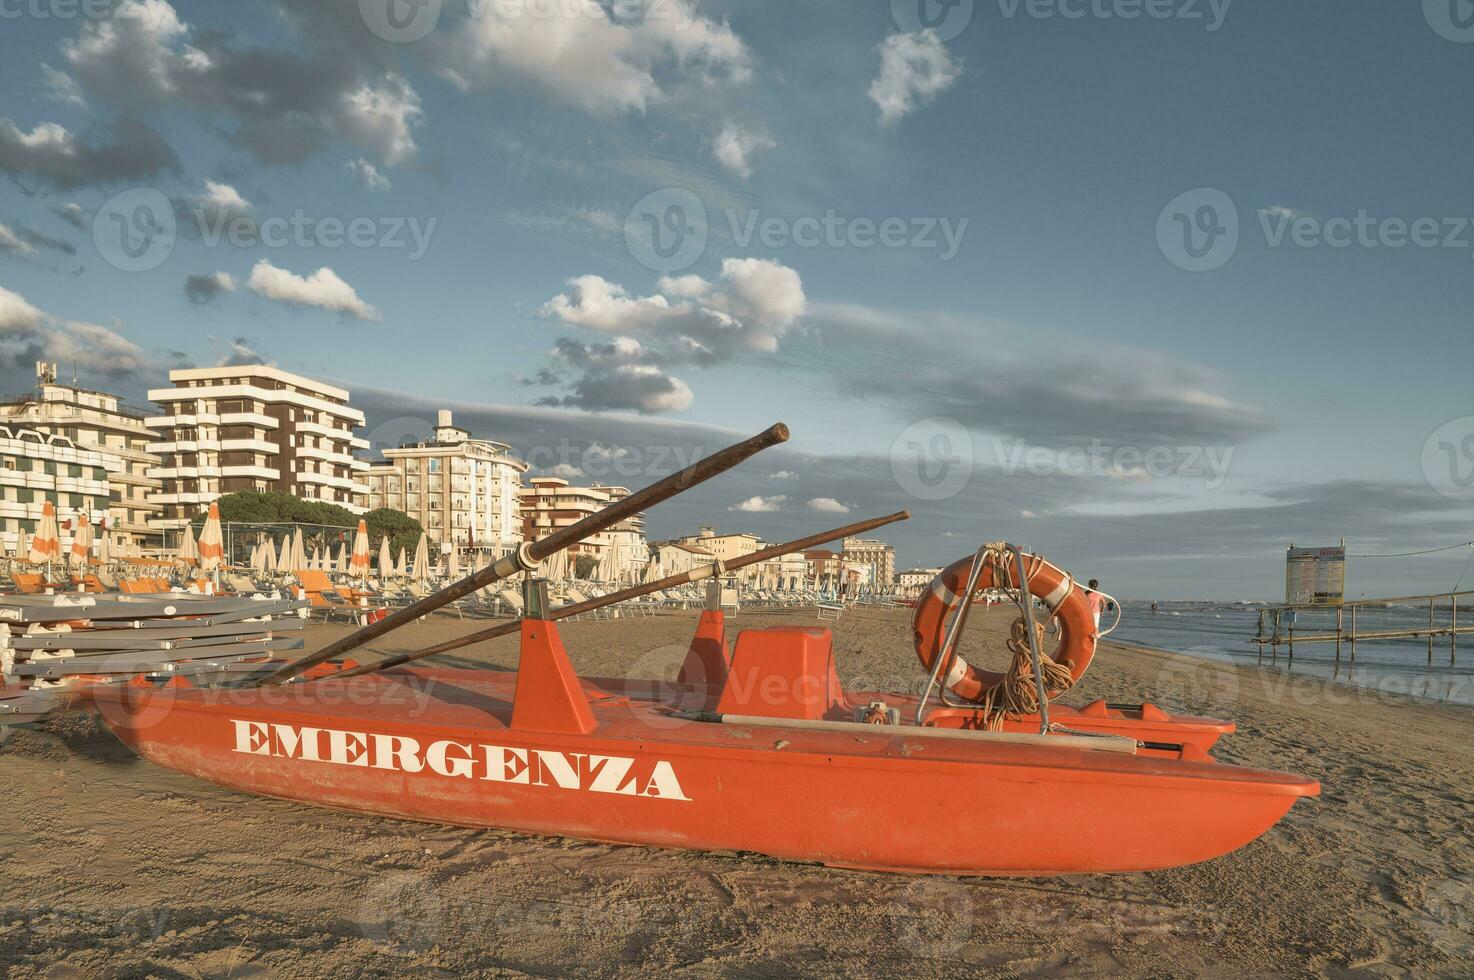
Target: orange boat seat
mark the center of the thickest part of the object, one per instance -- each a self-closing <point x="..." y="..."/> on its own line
<point x="783" y="672"/>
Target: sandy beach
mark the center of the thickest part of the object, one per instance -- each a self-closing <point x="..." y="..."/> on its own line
<point x="114" y="867"/>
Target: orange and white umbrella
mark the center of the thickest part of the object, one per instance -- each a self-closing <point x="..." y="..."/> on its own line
<point x="358" y="564"/>
<point x="81" y="550"/>
<point x="46" y="542"/>
<point x="188" y="553"/>
<point x="212" y="545"/>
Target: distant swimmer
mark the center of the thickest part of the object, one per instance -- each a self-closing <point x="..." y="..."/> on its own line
<point x="1154" y="608"/>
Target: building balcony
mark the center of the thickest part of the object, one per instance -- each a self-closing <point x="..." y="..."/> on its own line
<point x="324" y="479"/>
<point x="174" y="421"/>
<point x="266" y="396"/>
<point x="250" y="446"/>
<point x="183" y="472"/>
<point x="256" y="472"/>
<point x="183" y="446"/>
<point x="249" y="418"/>
<point x="326" y="455"/>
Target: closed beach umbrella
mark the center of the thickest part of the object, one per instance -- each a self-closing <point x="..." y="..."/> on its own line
<point x="343" y="556"/>
<point x="22" y="546"/>
<point x="401" y="569"/>
<point x="212" y="545"/>
<point x="255" y="560"/>
<point x="299" y="552"/>
<point x="188" y="552"/>
<point x="81" y="551"/>
<point x="358" y="564"/>
<point x="268" y="556"/>
<point x="422" y="557"/>
<point x="386" y="561"/>
<point x="454" y="570"/>
<point x="104" y="549"/>
<point x="46" y="543"/>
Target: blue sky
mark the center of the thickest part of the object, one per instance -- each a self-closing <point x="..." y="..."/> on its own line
<point x="1291" y="392"/>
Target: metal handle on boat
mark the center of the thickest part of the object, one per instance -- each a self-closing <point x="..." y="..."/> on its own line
<point x="634" y="592"/>
<point x="944" y="655"/>
<point x="529" y="555"/>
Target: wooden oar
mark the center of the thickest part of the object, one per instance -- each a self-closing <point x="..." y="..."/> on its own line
<point x="634" y="592"/>
<point x="527" y="558"/>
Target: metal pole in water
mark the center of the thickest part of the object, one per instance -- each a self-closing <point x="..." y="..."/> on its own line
<point x="1453" y="630"/>
<point x="1353" y="633"/>
<point x="1430" y="630"/>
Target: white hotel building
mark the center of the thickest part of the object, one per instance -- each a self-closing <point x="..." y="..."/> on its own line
<point x="35" y="468"/>
<point x="253" y="427"/>
<point x="461" y="490"/>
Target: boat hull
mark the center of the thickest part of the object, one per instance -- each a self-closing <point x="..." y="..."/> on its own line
<point x="439" y="746"/>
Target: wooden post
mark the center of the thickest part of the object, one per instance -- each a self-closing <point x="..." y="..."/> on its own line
<point x="1293" y="617"/>
<point x="1453" y="630"/>
<point x="1259" y="635"/>
<point x="1338" y="636"/>
<point x="1353" y="633"/>
<point x="1430" y="630"/>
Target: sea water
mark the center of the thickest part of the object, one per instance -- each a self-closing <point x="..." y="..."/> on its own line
<point x="1224" y="632"/>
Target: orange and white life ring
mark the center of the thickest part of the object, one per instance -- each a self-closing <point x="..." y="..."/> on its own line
<point x="1065" y="601"/>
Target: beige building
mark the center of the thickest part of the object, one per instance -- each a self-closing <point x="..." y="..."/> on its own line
<point x="94" y="420"/>
<point x="550" y="504"/>
<point x="724" y="546"/>
<point x="460" y="489"/>
<point x="875" y="560"/>
<point x="912" y="581"/>
<point x="674" y="558"/>
<point x="253" y="427"/>
<point x="35" y="468"/>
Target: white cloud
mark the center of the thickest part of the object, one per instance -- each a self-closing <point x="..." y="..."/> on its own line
<point x="367" y="174"/>
<point x="828" y="505"/>
<point x="760" y="505"/>
<point x="913" y="70"/>
<point x="55" y="155"/>
<point x="1027" y="514"/>
<point x="1280" y="212"/>
<point x="323" y="289"/>
<point x="62" y="87"/>
<point x="203" y="287"/>
<point x="12" y="244"/>
<point x="783" y="475"/>
<point x="31" y="334"/>
<point x="286" y="102"/>
<point x="734" y="145"/>
<point x="600" y="219"/>
<point x="749" y="309"/>
<point x="579" y="56"/>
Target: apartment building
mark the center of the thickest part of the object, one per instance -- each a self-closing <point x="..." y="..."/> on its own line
<point x="97" y="421"/>
<point x="911" y="582"/>
<point x="35" y="468"/>
<point x="254" y="427"/>
<point x="550" y="503"/>
<point x="724" y="546"/>
<point x="461" y="490"/>
<point x="875" y="559"/>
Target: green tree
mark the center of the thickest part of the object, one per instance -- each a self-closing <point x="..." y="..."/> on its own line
<point x="250" y="507"/>
<point x="584" y="565"/>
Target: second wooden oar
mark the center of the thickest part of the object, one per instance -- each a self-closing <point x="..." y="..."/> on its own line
<point x="634" y="592"/>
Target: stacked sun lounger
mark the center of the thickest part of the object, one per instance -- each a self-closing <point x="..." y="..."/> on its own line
<point x="50" y="645"/>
